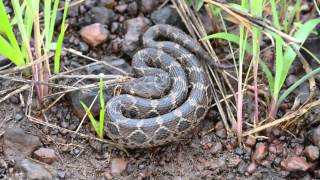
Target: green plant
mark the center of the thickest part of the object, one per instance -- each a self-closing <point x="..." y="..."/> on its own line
<point x="27" y="17"/>
<point x="284" y="53"/>
<point x="97" y="125"/>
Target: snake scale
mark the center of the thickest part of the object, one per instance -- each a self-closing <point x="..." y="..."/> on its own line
<point x="175" y="91"/>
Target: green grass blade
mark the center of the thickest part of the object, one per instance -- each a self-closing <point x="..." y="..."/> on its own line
<point x="91" y="118"/>
<point x="102" y="108"/>
<point x="52" y="23"/>
<point x="60" y="39"/>
<point x="7" y="51"/>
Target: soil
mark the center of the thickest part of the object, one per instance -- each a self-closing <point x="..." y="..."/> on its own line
<point x="211" y="153"/>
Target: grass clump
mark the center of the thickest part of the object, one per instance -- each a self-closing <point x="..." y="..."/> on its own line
<point x="36" y="38"/>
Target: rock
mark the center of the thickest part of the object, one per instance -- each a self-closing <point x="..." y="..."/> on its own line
<point x="18" y="116"/>
<point x="252" y="168"/>
<point x="61" y="174"/>
<point x="148" y="6"/>
<point x="107" y="175"/>
<point x="118" y="165"/>
<point x="17" y="144"/>
<point x="135" y="28"/>
<point x="34" y="171"/>
<point x="114" y="27"/>
<point x="84" y="48"/>
<point x="295" y="164"/>
<point x="315" y="136"/>
<point x="276" y="148"/>
<point x="242" y="167"/>
<point x="14" y="100"/>
<point x="119" y="64"/>
<point x="100" y="15"/>
<point x="250" y="141"/>
<point x="73" y="11"/>
<point x="121" y="8"/>
<point x="260" y="152"/>
<point x="45" y="155"/>
<point x="94" y="34"/>
<point x="311" y="152"/>
<point x="133" y="8"/>
<point x="167" y="15"/>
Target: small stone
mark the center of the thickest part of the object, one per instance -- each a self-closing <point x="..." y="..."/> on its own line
<point x="276" y="149"/>
<point x="114" y="27"/>
<point x="250" y="141"/>
<point x="34" y="171"/>
<point x="94" y="34"/>
<point x="260" y="152"/>
<point x="118" y="165"/>
<point x="84" y="47"/>
<point x="45" y="155"/>
<point x="76" y="151"/>
<point x="65" y="124"/>
<point x="61" y="174"/>
<point x="242" y="167"/>
<point x="311" y="152"/>
<point x="17" y="144"/>
<point x="295" y="164"/>
<point x="133" y="8"/>
<point x="14" y="99"/>
<point x="18" y="117"/>
<point x="100" y="15"/>
<point x="222" y="133"/>
<point x="135" y="28"/>
<point x="121" y="8"/>
<point x="148" y="6"/>
<point x="167" y="15"/>
<point x="298" y="150"/>
<point x="291" y="79"/>
<point x="252" y="168"/>
<point x="315" y="136"/>
<point x="141" y="166"/>
<point x="234" y="161"/>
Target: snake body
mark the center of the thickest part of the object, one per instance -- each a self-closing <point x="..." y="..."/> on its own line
<point x="169" y="64"/>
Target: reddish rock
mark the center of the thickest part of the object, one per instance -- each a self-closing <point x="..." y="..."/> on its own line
<point x="118" y="165"/>
<point x="298" y="149"/>
<point x="260" y="152"/>
<point x="252" y="168"/>
<point x="94" y="34"/>
<point x="311" y="152"/>
<point x="295" y="164"/>
<point x="45" y="155"/>
<point x="250" y="141"/>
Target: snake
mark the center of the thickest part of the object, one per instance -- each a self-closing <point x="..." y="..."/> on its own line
<point x="170" y="95"/>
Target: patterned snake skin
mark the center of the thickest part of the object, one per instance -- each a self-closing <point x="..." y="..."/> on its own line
<point x="170" y="97"/>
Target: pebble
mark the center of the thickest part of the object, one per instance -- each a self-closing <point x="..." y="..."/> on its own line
<point x="250" y="141"/>
<point x="315" y="136"/>
<point x="61" y="174"/>
<point x="84" y="48"/>
<point x="14" y="99"/>
<point x="311" y="152"/>
<point x="135" y="28"/>
<point x="107" y="3"/>
<point x="94" y="34"/>
<point x="18" y="116"/>
<point x="121" y="8"/>
<point x="242" y="167"/>
<point x="114" y="27"/>
<point x="100" y="15"/>
<point x="252" y="168"/>
<point x="133" y="8"/>
<point x="17" y="144"/>
<point x="295" y="164"/>
<point x="260" y="152"/>
<point x="167" y="15"/>
<point x="34" y="171"/>
<point x="45" y="155"/>
<point x="148" y="6"/>
<point x="118" y="165"/>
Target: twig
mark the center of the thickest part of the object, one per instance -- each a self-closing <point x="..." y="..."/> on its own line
<point x="24" y="87"/>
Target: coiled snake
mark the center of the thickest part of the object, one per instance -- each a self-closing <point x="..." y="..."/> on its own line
<point x="170" y="97"/>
